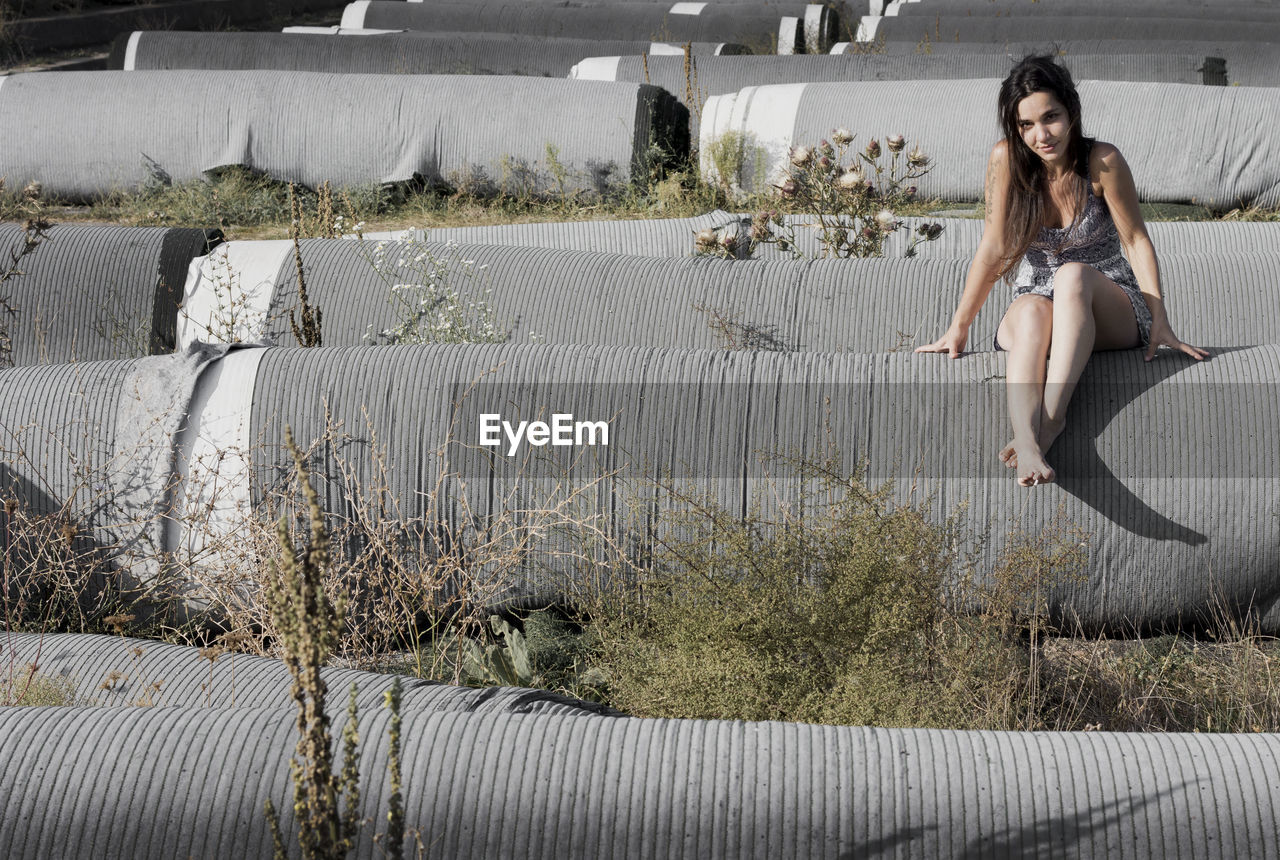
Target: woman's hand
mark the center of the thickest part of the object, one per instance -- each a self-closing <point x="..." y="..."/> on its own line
<point x="952" y="343"/>
<point x="1162" y="335"/>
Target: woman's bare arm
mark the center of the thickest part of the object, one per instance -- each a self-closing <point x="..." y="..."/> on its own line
<point x="1121" y="196"/>
<point x="985" y="268"/>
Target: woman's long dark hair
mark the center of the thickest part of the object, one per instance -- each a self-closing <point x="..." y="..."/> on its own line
<point x="1024" y="205"/>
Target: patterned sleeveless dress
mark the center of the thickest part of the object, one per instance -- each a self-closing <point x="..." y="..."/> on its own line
<point x="1092" y="240"/>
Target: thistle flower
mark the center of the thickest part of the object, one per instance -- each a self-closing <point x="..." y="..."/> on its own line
<point x="911" y="191"/>
<point x="800" y="155"/>
<point x="705" y="239"/>
<point x="824" y="163"/>
<point x="868" y="233"/>
<point x="789" y="188"/>
<point x="825" y="146"/>
<point x="33" y="191"/>
<point x="842" y="136"/>
<point x="917" y="158"/>
<point x="896" y="142"/>
<point x="931" y="231"/>
<point x="728" y="241"/>
<point x="873" y="149"/>
<point x="851" y="180"/>
<point x="886" y="220"/>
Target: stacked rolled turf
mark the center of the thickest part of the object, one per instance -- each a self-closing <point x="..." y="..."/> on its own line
<point x="757" y="25"/>
<point x="552" y="296"/>
<point x="954" y="122"/>
<point x="112" y="671"/>
<point x="713" y="76"/>
<point x="385" y="54"/>
<point x="1176" y="529"/>
<point x="86" y="133"/>
<point x="676" y="237"/>
<point x="89" y="292"/>
<point x="507" y="785"/>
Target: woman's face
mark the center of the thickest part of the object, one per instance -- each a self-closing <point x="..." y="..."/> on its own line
<point x="1044" y="126"/>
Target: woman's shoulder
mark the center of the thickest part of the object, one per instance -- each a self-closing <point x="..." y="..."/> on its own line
<point x="1103" y="158"/>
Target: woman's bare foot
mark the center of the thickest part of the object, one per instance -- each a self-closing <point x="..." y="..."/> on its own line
<point x="1049" y="433"/>
<point x="1032" y="468"/>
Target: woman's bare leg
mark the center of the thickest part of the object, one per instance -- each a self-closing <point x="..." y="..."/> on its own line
<point x="1025" y="332"/>
<point x="1090" y="313"/>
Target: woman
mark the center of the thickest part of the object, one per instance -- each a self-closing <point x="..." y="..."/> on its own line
<point x="1059" y="208"/>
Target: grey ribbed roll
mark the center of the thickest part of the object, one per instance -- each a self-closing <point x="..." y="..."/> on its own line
<point x="92" y="292"/>
<point x="576" y="297"/>
<point x="713" y="76"/>
<point x="1233" y="11"/>
<point x="954" y="122"/>
<point x="116" y="671"/>
<point x="85" y="133"/>
<point x="532" y="786"/>
<point x="412" y="52"/>
<point x="1165" y="466"/>
<point x="1248" y="63"/>
<point x="674" y="237"/>
<point x="1119" y="24"/>
<point x="755" y="25"/>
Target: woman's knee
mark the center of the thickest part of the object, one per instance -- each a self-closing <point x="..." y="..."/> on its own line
<point x="1073" y="280"/>
<point x="1029" y="322"/>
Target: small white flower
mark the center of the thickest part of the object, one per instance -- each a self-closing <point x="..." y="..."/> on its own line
<point x="886" y="220"/>
<point x="800" y="155"/>
<point x="895" y="142"/>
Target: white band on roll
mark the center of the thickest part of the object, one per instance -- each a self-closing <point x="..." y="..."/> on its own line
<point x="719" y="49"/>
<point x="353" y="15"/>
<point x="659" y="49"/>
<point x="214" y="465"/>
<point x="339" y="31"/>
<point x="788" y="34"/>
<point x="228" y="292"/>
<point x="839" y="47"/>
<point x="131" y="50"/>
<point x="767" y="118"/>
<point x="867" y="28"/>
<point x="3" y="78"/>
<point x="688" y="8"/>
<point x="596" y="69"/>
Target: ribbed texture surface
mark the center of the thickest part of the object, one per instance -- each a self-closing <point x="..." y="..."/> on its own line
<point x="1105" y="25"/>
<point x="1160" y="517"/>
<point x="1248" y="63"/>
<point x="752" y="24"/>
<point x="93" y="445"/>
<point x="718" y="75"/>
<point x="413" y="52"/>
<point x="92" y="292"/>
<point x="544" y="787"/>
<point x="1233" y="11"/>
<point x="110" y="671"/>
<point x="562" y="297"/>
<point x="84" y="133"/>
<point x="955" y="123"/>
<point x="674" y="237"/>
